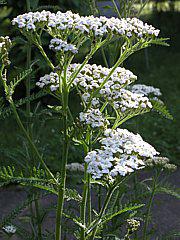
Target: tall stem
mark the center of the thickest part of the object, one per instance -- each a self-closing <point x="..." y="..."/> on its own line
<point x="84" y="202"/>
<point x="149" y="206"/>
<point x="116" y="8"/>
<point x="103" y="209"/>
<point x="29" y="139"/>
<point x="62" y="186"/>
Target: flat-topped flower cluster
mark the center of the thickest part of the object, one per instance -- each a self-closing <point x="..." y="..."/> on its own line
<point x="51" y="80"/>
<point x="58" y="45"/>
<point x="145" y="90"/>
<point x="121" y="153"/>
<point x="61" y="24"/>
<point x="123" y="100"/>
<point x="94" y="118"/>
<point x="91" y="77"/>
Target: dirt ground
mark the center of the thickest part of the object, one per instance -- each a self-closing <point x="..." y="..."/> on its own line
<point x="166" y="208"/>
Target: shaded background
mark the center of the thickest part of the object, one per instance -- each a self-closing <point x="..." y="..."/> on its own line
<point x="157" y="66"/>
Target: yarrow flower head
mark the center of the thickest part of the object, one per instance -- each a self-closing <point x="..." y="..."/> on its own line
<point x="51" y="80"/>
<point x="124" y="100"/>
<point x="75" y="167"/>
<point x="58" y="45"/>
<point x="145" y="90"/>
<point x="121" y="153"/>
<point x="91" y="76"/>
<point x="160" y="162"/>
<point x="10" y="229"/>
<point x="5" y="45"/>
<point x="58" y="23"/>
<point x="94" y="118"/>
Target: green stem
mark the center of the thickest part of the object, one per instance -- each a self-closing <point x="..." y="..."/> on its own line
<point x="104" y="58"/>
<point x="28" y="5"/>
<point x="28" y="63"/>
<point x="84" y="203"/>
<point x="89" y="200"/>
<point x="116" y="8"/>
<point x="43" y="52"/>
<point x="88" y="57"/>
<point x="29" y="138"/>
<point x="38" y="219"/>
<point x="28" y="107"/>
<point x="149" y="206"/>
<point x="103" y="209"/>
<point x="62" y="186"/>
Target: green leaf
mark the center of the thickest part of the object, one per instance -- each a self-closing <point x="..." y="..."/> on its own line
<point x="160" y="41"/>
<point x="72" y="194"/>
<point x="169" y="190"/>
<point x="17" y="210"/>
<point x="160" y="107"/>
<point x="6" y="112"/>
<point x="109" y="217"/>
<point x="19" y="78"/>
<point x="76" y="221"/>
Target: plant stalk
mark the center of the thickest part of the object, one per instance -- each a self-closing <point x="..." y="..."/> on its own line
<point x="149" y="207"/>
<point x="62" y="186"/>
<point x="29" y="139"/>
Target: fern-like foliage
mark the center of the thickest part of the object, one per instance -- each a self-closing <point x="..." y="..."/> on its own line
<point x="19" y="78"/>
<point x="7" y="111"/>
<point x="123" y="117"/>
<point x="159" y="41"/>
<point x="17" y="210"/>
<point x="110" y="216"/>
<point x="168" y="189"/>
<point x="160" y="107"/>
<point x="39" y="179"/>
<point x="53" y="8"/>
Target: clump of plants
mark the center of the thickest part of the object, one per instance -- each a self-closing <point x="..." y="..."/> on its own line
<point x="112" y="156"/>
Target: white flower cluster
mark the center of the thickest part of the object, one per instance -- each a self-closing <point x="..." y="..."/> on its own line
<point x="10" y="229"/>
<point x="4" y="41"/>
<point x="91" y="77"/>
<point x="57" y="45"/>
<point x="93" y="117"/>
<point x="123" y="100"/>
<point x="91" y="26"/>
<point x="5" y="45"/>
<point x="32" y="20"/>
<point x="51" y="80"/>
<point x="121" y="153"/>
<point x="145" y="90"/>
<point x="75" y="167"/>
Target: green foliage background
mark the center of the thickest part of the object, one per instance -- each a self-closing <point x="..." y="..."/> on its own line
<point x="158" y="67"/>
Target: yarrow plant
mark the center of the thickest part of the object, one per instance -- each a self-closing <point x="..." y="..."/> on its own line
<point x="107" y="99"/>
